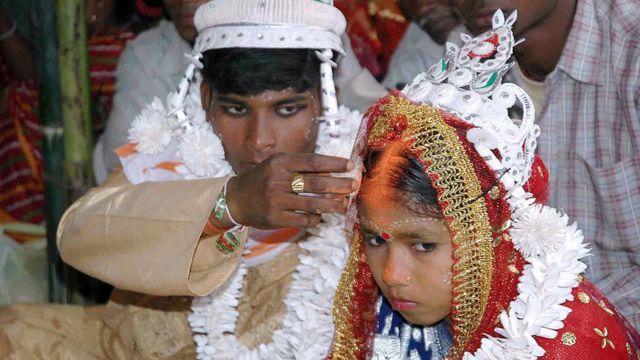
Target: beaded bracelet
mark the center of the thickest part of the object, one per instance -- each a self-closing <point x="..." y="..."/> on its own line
<point x="227" y="242"/>
<point x="221" y="207"/>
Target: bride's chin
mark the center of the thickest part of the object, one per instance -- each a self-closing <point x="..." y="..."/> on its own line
<point x="421" y="319"/>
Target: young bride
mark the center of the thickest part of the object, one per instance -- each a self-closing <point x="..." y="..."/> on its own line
<point x="454" y="253"/>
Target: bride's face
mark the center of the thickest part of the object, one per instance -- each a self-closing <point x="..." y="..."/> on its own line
<point x="410" y="257"/>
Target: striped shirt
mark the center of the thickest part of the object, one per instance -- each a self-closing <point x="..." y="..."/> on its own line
<point x="590" y="141"/>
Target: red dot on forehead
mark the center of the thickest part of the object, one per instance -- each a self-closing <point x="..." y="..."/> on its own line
<point x="385" y="236"/>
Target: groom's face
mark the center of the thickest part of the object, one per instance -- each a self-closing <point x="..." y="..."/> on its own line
<point x="252" y="128"/>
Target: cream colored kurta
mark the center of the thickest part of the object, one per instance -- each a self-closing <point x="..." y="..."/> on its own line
<point x="144" y="238"/>
<point x="147" y="238"/>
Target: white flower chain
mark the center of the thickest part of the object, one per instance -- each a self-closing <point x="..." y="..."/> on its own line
<point x="552" y="249"/>
<point x="309" y="305"/>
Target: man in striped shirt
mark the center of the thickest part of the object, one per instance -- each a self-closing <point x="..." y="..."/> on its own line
<point x="581" y="63"/>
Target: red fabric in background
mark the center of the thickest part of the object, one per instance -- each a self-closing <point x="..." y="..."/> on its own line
<point x="21" y="181"/>
<point x="21" y="158"/>
<point x="104" y="52"/>
<point x="375" y="28"/>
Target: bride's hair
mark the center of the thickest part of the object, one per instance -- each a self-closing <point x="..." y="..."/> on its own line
<point x="394" y="174"/>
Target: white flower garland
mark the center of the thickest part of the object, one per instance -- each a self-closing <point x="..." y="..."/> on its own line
<point x="309" y="305"/>
<point x="552" y="249"/>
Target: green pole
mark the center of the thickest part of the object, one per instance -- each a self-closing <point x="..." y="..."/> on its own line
<point x="74" y="87"/>
<point x="73" y="64"/>
<point x="46" y="50"/>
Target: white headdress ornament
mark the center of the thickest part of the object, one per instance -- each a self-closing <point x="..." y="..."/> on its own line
<point x="467" y="82"/>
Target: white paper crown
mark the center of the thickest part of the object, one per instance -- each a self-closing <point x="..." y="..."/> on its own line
<point x="467" y="82"/>
<point x="276" y="24"/>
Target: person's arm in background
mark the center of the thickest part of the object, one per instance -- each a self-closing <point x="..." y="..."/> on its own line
<point x="15" y="50"/>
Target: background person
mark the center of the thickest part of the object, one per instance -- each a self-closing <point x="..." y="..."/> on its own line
<point x="580" y="65"/>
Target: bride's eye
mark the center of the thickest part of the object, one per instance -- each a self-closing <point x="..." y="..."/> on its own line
<point x="424" y="247"/>
<point x="374" y="240"/>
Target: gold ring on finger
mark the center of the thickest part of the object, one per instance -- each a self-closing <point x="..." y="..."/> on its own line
<point x="297" y="184"/>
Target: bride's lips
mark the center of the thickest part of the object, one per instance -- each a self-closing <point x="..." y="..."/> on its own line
<point x="401" y="304"/>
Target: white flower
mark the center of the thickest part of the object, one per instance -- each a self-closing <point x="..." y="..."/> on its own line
<point x="539" y="230"/>
<point x="479" y="136"/>
<point x="203" y="153"/>
<point x="150" y="130"/>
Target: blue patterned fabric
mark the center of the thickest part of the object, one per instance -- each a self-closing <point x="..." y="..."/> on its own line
<point x="397" y="339"/>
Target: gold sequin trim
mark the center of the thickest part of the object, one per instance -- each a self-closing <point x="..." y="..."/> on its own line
<point x="628" y="348"/>
<point x="513" y="269"/>
<point x="494" y="193"/>
<point x="497" y="240"/>
<point x="447" y="162"/>
<point x="345" y="345"/>
<point x="569" y="338"/>
<point x="584" y="298"/>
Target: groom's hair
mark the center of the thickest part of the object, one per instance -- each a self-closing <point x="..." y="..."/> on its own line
<point x="246" y="71"/>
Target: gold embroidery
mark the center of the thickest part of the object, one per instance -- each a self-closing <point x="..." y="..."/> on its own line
<point x="497" y="240"/>
<point x="513" y="269"/>
<point x="506" y="237"/>
<point x="506" y="225"/>
<point x="605" y="308"/>
<point x="440" y="148"/>
<point x="584" y="298"/>
<point x="604" y="333"/>
<point x="580" y="278"/>
<point x="628" y="348"/>
<point x="569" y="338"/>
<point x="494" y="193"/>
<point x="345" y="345"/>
